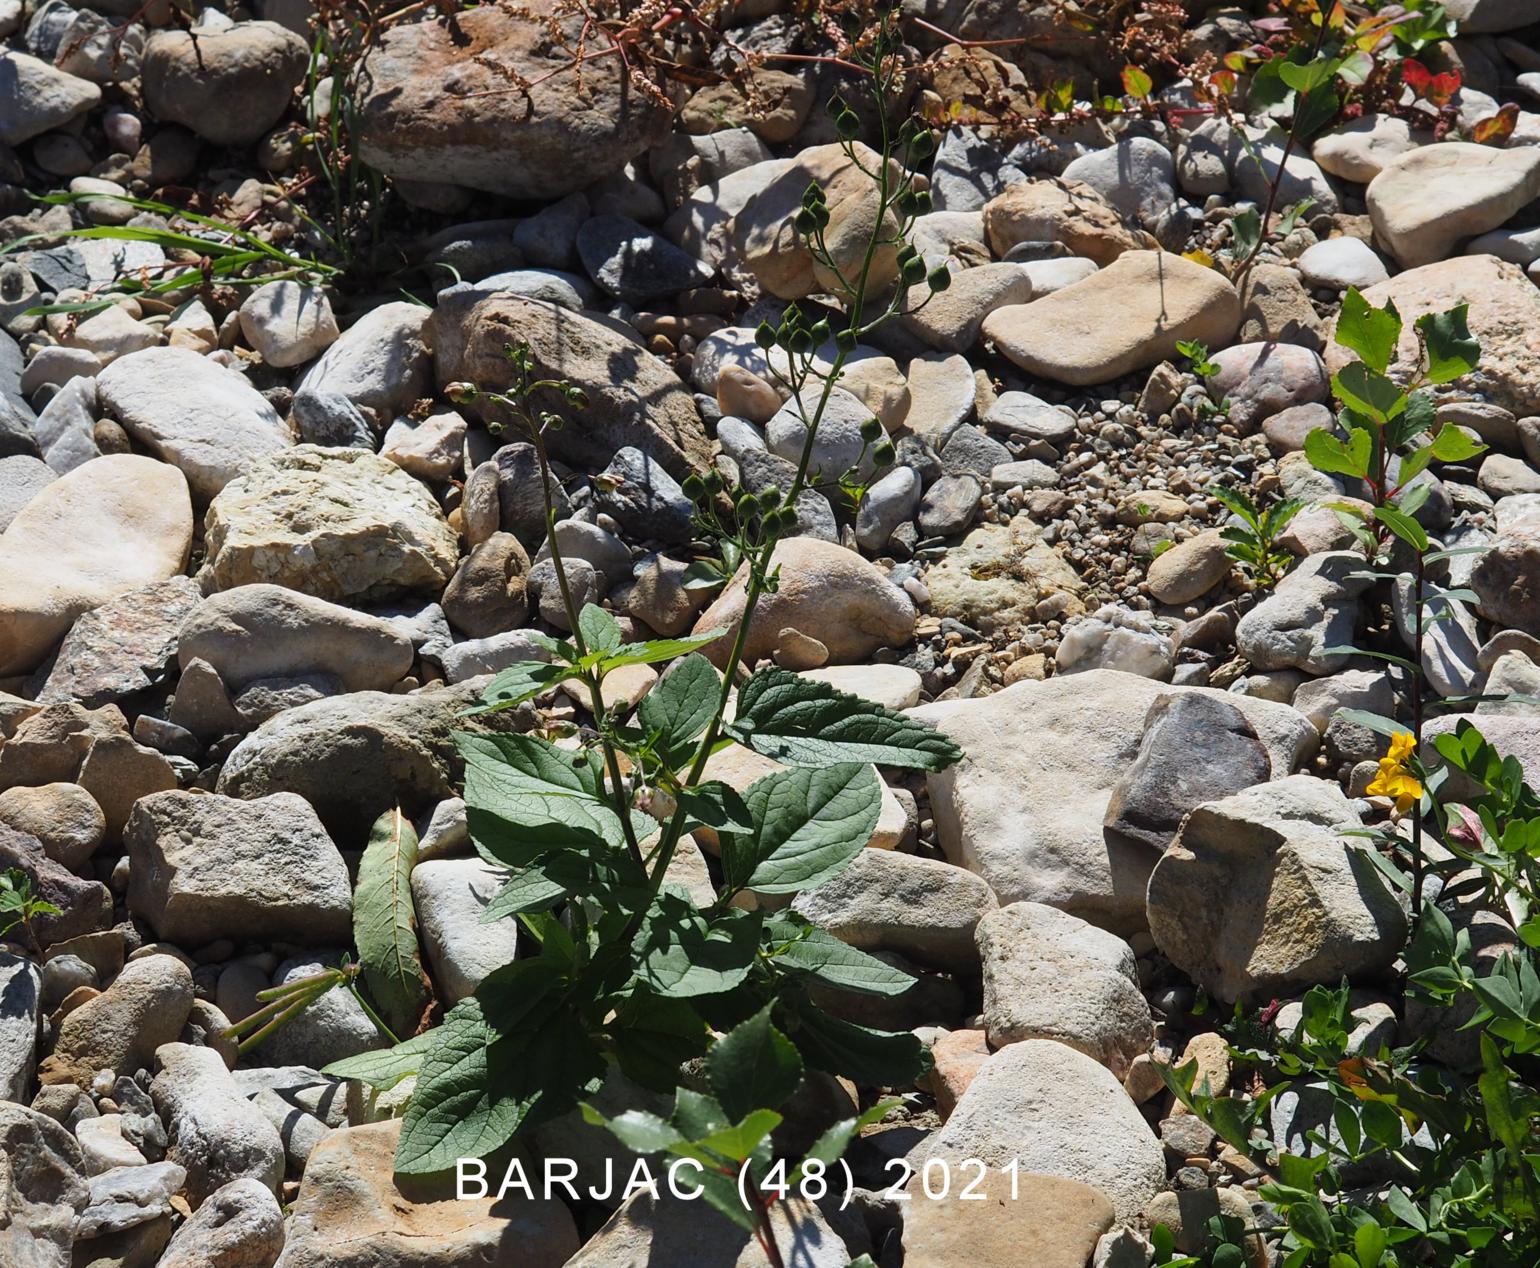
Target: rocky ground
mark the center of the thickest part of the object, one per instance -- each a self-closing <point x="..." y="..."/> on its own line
<point x="254" y="562"/>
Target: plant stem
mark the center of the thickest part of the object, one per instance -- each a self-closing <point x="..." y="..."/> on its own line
<point x="1418" y="867"/>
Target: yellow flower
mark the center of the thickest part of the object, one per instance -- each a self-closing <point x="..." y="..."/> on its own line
<point x="1394" y="780"/>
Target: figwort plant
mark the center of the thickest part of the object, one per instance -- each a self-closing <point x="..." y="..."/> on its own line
<point x="625" y="971"/>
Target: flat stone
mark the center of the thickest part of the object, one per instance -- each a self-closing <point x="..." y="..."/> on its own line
<point x="1045" y="1221"/>
<point x="633" y="263"/>
<point x="44" y="1197"/>
<point x="1424" y="203"/>
<point x="36" y="98"/>
<point x="146" y="1006"/>
<point x="1161" y="299"/>
<point x="450" y="896"/>
<point x="1360" y="149"/>
<point x="382" y="363"/>
<point x="1031" y="418"/>
<point x="109" y="526"/>
<point x="207" y="867"/>
<point x="288" y="323"/>
<point x="1338" y="263"/>
<point x="193" y="413"/>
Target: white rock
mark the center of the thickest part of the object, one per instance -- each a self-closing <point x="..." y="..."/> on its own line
<point x="1338" y="263"/>
<point x="450" y="896"/>
<point x="288" y="323"/>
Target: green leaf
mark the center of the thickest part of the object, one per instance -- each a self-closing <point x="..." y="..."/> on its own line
<point x="384" y="1068"/>
<point x="600" y="630"/>
<point x="818" y="954"/>
<point x="1331" y="454"/>
<point x="753" y="1065"/>
<point x="658" y="649"/>
<point x="531" y="889"/>
<point x="831" y="1146"/>
<point x="682" y="953"/>
<point x="455" y="1110"/>
<point x="1369" y="392"/>
<point x="543" y="797"/>
<point x="715" y="805"/>
<point x="1305" y="76"/>
<point x="805" y="722"/>
<point x="1315" y="110"/>
<point x="652" y="1037"/>
<point x="1268" y="88"/>
<point x="872" y="1058"/>
<point x="1403" y="526"/>
<point x="1452" y="444"/>
<point x="1372" y="333"/>
<point x="637" y="1130"/>
<point x="739" y="1141"/>
<point x="1452" y="350"/>
<point x="808" y="826"/>
<point x="385" y="923"/>
<point x="518" y="683"/>
<point x="1369" y="1245"/>
<point x="683" y="703"/>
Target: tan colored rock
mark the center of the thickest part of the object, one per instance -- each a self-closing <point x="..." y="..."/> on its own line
<point x="63" y="817"/>
<point x="1275" y="307"/>
<point x="1054" y="210"/>
<point x="1360" y="149"/>
<point x="770" y="247"/>
<point x="774" y="107"/>
<point x="826" y="592"/>
<point x="1504" y="317"/>
<point x="1159" y="298"/>
<point x="334" y="523"/>
<point x="145" y="1006"/>
<point x="109" y="526"/>
<point x="350" y="1214"/>
<point x="1261" y="893"/>
<point x="634" y="399"/>
<point x="117" y="772"/>
<point x="436" y="106"/>
<point x="1050" y="975"/>
<point x="994" y="580"/>
<point x="956" y="1057"/>
<point x="1189" y="569"/>
<point x="267" y="631"/>
<point x="1429" y="200"/>
<point x="743" y="394"/>
<point x="1188" y="1212"/>
<point x="951" y="319"/>
<point x="1045" y="1221"/>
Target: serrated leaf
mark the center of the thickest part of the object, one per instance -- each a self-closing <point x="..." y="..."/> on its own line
<point x="524" y="795"/>
<point x="820" y="955"/>
<point x="682" y="704"/>
<point x="385" y="923"/>
<point x="656" y="650"/>
<point x="385" y="1067"/>
<point x="1452" y="444"/>
<point x="805" y="722"/>
<point x="683" y="953"/>
<point x="742" y="1139"/>
<point x="637" y="1130"/>
<point x="531" y="889"/>
<point x="753" y="1065"/>
<point x="1369" y="392"/>
<point x="808" y="825"/>
<point x="600" y="630"/>
<point x="872" y="1058"/>
<point x="455" y="1111"/>
<point x="1372" y="333"/>
<point x="715" y="805"/>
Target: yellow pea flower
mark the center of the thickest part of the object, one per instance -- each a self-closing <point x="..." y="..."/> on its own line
<point x="1394" y="780"/>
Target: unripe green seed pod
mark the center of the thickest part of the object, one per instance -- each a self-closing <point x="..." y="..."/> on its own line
<point x="764" y="335"/>
<point x="871" y="431"/>
<point x="940" y="278"/>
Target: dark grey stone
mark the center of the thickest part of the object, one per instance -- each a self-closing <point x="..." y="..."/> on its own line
<point x="950" y="504"/>
<point x="634" y="264"/>
<point x="969" y="449"/>
<point x="643" y="498"/>
<point x="329" y="418"/>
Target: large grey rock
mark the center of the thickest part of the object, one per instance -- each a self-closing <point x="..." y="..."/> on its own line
<point x="1137" y="176"/>
<point x="382" y="362"/>
<point x="331" y="1029"/>
<point x="1025" y="808"/>
<point x="20" y="992"/>
<point x="123" y="1198"/>
<point x="1261" y="894"/>
<point x="36" y="98"/>
<point x="350" y="1214"/>
<point x="229" y="86"/>
<point x="1050" y="975"/>
<point x="1313" y="609"/>
<point x="42" y="1189"/>
<point x="207" y="867"/>
<point x="450" y="896"/>
<point x="239" y="1225"/>
<point x="639" y="495"/>
<point x="266" y="631"/>
<point x="923" y="909"/>
<point x="193" y="413"/>
<point x="633" y="398"/>
<point x="352" y="757"/>
<point x="1196" y="748"/>
<point x="1058" y="1112"/>
<point x="437" y="108"/>
<point x="215" y="1133"/>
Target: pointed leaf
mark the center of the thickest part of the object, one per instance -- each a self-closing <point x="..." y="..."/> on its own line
<point x="1331" y="454"/>
<point x="1451" y="348"/>
<point x="386" y="1067"/>
<point x="809" y="824"/>
<point x="1370" y="332"/>
<point x="385" y="923"/>
<point x="752" y="1066"/>
<point x="683" y="702"/>
<point x="516" y="684"/>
